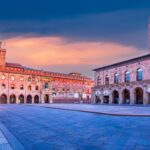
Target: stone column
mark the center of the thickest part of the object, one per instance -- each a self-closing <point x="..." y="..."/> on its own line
<point x="50" y="99"/>
<point x="42" y="99"/>
<point x="110" y="98"/>
<point x="102" y="98"/>
<point x="132" y="96"/>
<point x="145" y="96"/>
<point x="120" y="98"/>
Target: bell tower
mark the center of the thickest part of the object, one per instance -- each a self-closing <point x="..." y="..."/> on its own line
<point x="2" y="56"/>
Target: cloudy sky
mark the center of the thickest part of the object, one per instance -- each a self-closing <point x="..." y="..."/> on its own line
<point x="73" y="35"/>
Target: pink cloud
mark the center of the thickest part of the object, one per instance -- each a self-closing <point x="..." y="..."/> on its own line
<point x="46" y="51"/>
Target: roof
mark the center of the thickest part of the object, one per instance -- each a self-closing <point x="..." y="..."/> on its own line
<point x="123" y="62"/>
<point x="14" y="65"/>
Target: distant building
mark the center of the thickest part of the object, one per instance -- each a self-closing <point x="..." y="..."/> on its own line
<point x="126" y="82"/>
<point x="19" y="84"/>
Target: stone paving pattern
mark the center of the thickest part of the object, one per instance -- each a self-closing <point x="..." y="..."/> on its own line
<point x="4" y="144"/>
<point x="136" y="110"/>
<point x="39" y="128"/>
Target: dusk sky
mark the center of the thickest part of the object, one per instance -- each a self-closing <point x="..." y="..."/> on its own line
<point x="73" y="35"/>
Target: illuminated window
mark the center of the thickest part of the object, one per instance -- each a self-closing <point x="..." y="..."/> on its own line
<point x="21" y="87"/>
<point x="29" y="79"/>
<point x="12" y="78"/>
<point x="3" y="86"/>
<point x="116" y="78"/>
<point x="3" y="77"/>
<point x="21" y="78"/>
<point x="127" y="76"/>
<point x="12" y="86"/>
<point x="36" y="88"/>
<point x="29" y="88"/>
<point x="139" y="74"/>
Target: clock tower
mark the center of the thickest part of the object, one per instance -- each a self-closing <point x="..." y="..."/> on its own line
<point x="2" y="56"/>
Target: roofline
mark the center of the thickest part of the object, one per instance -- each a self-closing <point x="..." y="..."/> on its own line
<point x="123" y="62"/>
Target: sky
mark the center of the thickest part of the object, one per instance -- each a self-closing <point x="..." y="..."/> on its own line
<point x="73" y="35"/>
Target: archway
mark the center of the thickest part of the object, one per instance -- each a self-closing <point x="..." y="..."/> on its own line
<point x="3" y="99"/>
<point x="106" y="99"/>
<point x="115" y="97"/>
<point x="46" y="98"/>
<point x="29" y="99"/>
<point x="36" y="99"/>
<point x="97" y="99"/>
<point x="21" y="99"/>
<point x="126" y="96"/>
<point x="138" y="95"/>
<point x="12" y="99"/>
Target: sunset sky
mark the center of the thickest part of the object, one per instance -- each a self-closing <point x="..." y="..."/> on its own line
<point x="73" y="35"/>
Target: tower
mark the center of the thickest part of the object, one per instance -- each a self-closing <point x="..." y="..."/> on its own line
<point x="2" y="56"/>
<point x="149" y="34"/>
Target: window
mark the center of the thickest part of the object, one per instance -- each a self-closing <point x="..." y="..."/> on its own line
<point x="21" y="87"/>
<point x="36" y="88"/>
<point x="46" y="86"/>
<point x="116" y="78"/>
<point x="12" y="78"/>
<point x="29" y="88"/>
<point x="98" y="81"/>
<point x="3" y="77"/>
<point x="139" y="74"/>
<point x="106" y="80"/>
<point x="12" y="86"/>
<point x="21" y="78"/>
<point x="127" y="76"/>
<point x="3" y="86"/>
<point x="29" y="79"/>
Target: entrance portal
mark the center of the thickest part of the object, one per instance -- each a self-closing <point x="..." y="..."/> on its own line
<point x="29" y="99"/>
<point x="46" y="98"/>
<point x="36" y="99"/>
<point x="139" y="95"/>
<point x="21" y="99"/>
<point x="12" y="99"/>
<point x="106" y="99"/>
<point x="126" y="96"/>
<point x="3" y="99"/>
<point x="115" y="97"/>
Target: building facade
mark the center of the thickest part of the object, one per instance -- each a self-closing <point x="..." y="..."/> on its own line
<point x="19" y="84"/>
<point x="126" y="82"/>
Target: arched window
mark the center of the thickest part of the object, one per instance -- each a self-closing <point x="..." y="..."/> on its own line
<point x="139" y="74"/>
<point x="37" y="88"/>
<point x="106" y="80"/>
<point x="3" y="86"/>
<point x="116" y="78"/>
<point x="3" y="77"/>
<point x="46" y="85"/>
<point x="29" y="87"/>
<point x="21" y="87"/>
<point x="127" y="76"/>
<point x="98" y="80"/>
<point x="29" y="79"/>
<point x="12" y="86"/>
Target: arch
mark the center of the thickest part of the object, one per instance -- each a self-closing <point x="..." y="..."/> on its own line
<point x="36" y="99"/>
<point x="12" y="99"/>
<point x="126" y="96"/>
<point x="115" y="96"/>
<point x="46" y="98"/>
<point x="138" y="95"/>
<point x="29" y="99"/>
<point x="3" y="99"/>
<point x="21" y="99"/>
<point x="106" y="99"/>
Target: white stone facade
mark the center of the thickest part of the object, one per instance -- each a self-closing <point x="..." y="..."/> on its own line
<point x="127" y="82"/>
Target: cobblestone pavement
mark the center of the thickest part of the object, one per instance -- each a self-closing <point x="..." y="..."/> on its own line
<point x="127" y="110"/>
<point x="4" y="144"/>
<point x="39" y="128"/>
